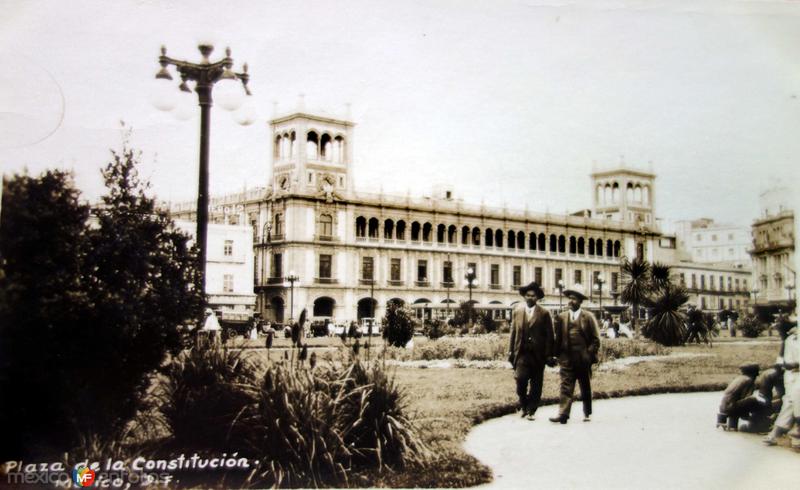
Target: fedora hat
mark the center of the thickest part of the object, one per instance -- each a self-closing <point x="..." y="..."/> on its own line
<point x="533" y="286"/>
<point x="576" y="291"/>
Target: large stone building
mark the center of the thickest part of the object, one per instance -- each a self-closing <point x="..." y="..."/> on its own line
<point x="774" y="275"/>
<point x="346" y="246"/>
<point x="707" y="241"/>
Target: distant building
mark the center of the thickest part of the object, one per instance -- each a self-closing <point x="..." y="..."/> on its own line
<point x="711" y="286"/>
<point x="229" y="269"/>
<point x="706" y="241"/>
<point x="774" y="275"/>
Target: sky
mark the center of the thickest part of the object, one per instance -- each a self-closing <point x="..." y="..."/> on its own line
<point x="512" y="102"/>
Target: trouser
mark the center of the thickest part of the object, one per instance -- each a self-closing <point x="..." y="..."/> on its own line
<point x="790" y="409"/>
<point x="530" y="378"/>
<point x="743" y="408"/>
<point x="760" y="417"/>
<point x="570" y="372"/>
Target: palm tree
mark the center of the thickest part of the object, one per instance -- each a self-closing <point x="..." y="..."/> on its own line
<point x="667" y="325"/>
<point x="636" y="285"/>
<point x="660" y="276"/>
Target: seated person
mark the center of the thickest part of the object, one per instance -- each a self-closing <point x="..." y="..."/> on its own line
<point x="769" y="391"/>
<point x="736" y="401"/>
<point x="625" y="329"/>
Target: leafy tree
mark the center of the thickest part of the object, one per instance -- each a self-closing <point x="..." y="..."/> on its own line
<point x="87" y="310"/>
<point x="636" y="284"/>
<point x="398" y="325"/>
<point x="667" y="323"/>
<point x="43" y="301"/>
<point x="144" y="286"/>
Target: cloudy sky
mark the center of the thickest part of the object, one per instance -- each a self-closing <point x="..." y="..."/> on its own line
<point x="514" y="102"/>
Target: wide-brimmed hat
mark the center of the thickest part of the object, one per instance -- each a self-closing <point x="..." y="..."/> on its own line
<point x="577" y="291"/>
<point x="533" y="286"/>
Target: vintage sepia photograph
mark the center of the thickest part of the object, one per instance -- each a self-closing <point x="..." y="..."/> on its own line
<point x="399" y="244"/>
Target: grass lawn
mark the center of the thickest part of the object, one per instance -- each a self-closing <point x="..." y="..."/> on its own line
<point x="448" y="402"/>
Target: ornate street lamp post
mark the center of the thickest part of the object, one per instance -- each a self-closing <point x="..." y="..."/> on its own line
<point x="560" y="286"/>
<point x="598" y="286"/>
<point x="291" y="278"/>
<point x="470" y="278"/>
<point x="205" y="74"/>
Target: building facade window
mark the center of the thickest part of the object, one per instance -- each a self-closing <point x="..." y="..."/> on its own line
<point x="325" y="269"/>
<point x="538" y="276"/>
<point x="227" y="248"/>
<point x="516" y="276"/>
<point x="367" y="268"/>
<point x="495" y="274"/>
<point x="578" y="277"/>
<point x="326" y="225"/>
<point x="277" y="226"/>
<point x="447" y="271"/>
<point x="702" y="281"/>
<point x="558" y="276"/>
<point x="422" y="270"/>
<point x="615" y="281"/>
<point x="394" y="270"/>
<point x="474" y="267"/>
<point x="227" y="283"/>
<point x="277" y="266"/>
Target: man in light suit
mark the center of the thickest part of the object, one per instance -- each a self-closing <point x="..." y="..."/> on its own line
<point x="577" y="341"/>
<point x="530" y="348"/>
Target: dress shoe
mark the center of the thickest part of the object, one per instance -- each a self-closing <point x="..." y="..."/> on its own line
<point x="531" y="416"/>
<point x="770" y="440"/>
<point x="587" y="418"/>
<point x="522" y="413"/>
<point x="559" y="419"/>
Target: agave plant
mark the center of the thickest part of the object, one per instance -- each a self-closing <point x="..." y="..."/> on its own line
<point x="636" y="284"/>
<point x="660" y="276"/>
<point x="667" y="325"/>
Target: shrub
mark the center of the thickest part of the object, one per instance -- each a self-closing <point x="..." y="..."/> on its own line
<point x="316" y="427"/>
<point x="620" y="348"/>
<point x="203" y="393"/>
<point x="398" y="325"/>
<point x="434" y="329"/>
<point x="750" y="326"/>
<point x="487" y="322"/>
<point x="312" y="427"/>
<point x="667" y="324"/>
<point x="87" y="311"/>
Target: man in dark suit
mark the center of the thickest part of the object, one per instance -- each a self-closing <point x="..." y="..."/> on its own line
<point x="530" y="348"/>
<point x="576" y="345"/>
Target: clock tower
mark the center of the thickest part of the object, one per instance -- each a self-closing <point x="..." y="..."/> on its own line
<point x="311" y="154"/>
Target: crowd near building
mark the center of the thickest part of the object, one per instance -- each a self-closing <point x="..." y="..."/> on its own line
<point x="350" y="252"/>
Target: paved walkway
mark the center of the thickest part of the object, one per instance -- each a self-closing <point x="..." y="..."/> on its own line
<point x="658" y="441"/>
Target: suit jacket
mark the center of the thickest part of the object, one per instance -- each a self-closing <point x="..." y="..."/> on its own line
<point x="531" y="339"/>
<point x="590" y="334"/>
